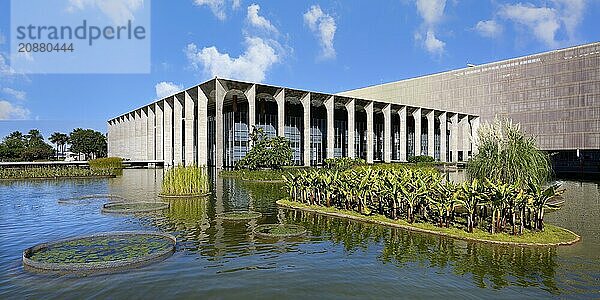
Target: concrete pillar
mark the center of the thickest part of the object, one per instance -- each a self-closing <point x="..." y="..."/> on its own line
<point x="387" y="133"/>
<point x="475" y="123"/>
<point x="131" y="136"/>
<point x="370" y="125"/>
<point x="454" y="137"/>
<point x="144" y="133"/>
<point x="177" y="129"/>
<point x="138" y="134"/>
<point x="109" y="135"/>
<point x="121" y="142"/>
<point x="417" y="116"/>
<point x="251" y="96"/>
<point x="351" y="109"/>
<point x="151" y="137"/>
<point x="330" y="107"/>
<point x="466" y="136"/>
<point x="168" y="131"/>
<point x="219" y="98"/>
<point x="306" y="106"/>
<point x="443" y="137"/>
<point x="431" y="133"/>
<point x="189" y="104"/>
<point x="402" y="113"/>
<point x="280" y="98"/>
<point x="202" y="129"/>
<point x="160" y="136"/>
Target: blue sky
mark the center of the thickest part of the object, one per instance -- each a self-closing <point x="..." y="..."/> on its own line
<point x="328" y="46"/>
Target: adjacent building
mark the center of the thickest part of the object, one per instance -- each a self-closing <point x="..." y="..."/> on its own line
<point x="555" y="96"/>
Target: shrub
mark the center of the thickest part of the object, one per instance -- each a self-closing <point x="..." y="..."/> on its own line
<point x="421" y="159"/>
<point x="266" y="153"/>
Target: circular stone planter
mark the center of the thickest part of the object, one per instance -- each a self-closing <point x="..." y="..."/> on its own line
<point x="100" y="253"/>
<point x="239" y="215"/>
<point x="183" y="196"/>
<point x="76" y="200"/>
<point x="133" y="207"/>
<point x="279" y="230"/>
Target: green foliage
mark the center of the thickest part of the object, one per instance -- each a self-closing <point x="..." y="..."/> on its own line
<point x="185" y="181"/>
<point x="421" y="159"/>
<point x="60" y="140"/>
<point x="344" y="163"/>
<point x="261" y="175"/>
<point x="89" y="142"/>
<point x="421" y="195"/>
<point x="272" y="153"/>
<point x="30" y="147"/>
<point x="51" y="172"/>
<point x="111" y="163"/>
<point x="506" y="155"/>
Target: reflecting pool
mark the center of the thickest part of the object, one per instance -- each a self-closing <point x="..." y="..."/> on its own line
<point x="336" y="259"/>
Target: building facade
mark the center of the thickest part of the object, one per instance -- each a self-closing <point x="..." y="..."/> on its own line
<point x="555" y="96"/>
<point x="210" y="124"/>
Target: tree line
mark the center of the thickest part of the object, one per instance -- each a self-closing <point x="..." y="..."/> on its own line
<point x="32" y="146"/>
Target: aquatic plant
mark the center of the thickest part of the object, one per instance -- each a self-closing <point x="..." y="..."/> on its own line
<point x="279" y="230"/>
<point x="185" y="181"/>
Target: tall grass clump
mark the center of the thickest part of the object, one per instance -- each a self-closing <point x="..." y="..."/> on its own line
<point x="185" y="181"/>
<point x="508" y="156"/>
<point x="52" y="172"/>
<point x="106" y="163"/>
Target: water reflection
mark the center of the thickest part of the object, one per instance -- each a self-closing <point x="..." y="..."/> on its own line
<point x="489" y="266"/>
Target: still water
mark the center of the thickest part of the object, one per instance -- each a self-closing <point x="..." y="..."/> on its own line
<point x="338" y="258"/>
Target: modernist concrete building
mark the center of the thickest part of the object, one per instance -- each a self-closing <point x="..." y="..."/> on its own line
<point x="554" y="95"/>
<point x="209" y="124"/>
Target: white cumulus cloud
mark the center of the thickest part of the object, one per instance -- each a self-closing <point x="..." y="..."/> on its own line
<point x="489" y="28"/>
<point x="324" y="27"/>
<point x="252" y="65"/>
<point x="542" y="21"/>
<point x="571" y="14"/>
<point x="433" y="44"/>
<point x="259" y="21"/>
<point x="219" y="7"/>
<point x="19" y="95"/>
<point x="119" y="11"/>
<point x="432" y="12"/>
<point x="9" y="111"/>
<point x="165" y="89"/>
